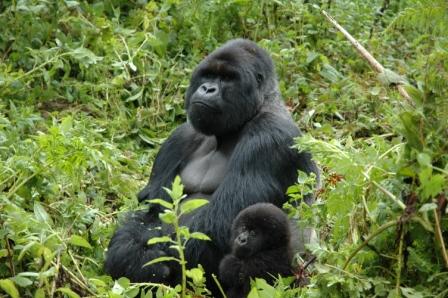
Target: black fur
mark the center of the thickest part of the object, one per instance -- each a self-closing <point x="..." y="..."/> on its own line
<point x="261" y="247"/>
<point x="235" y="150"/>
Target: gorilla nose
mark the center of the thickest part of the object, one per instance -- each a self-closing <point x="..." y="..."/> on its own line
<point x="242" y="239"/>
<point x="208" y="89"/>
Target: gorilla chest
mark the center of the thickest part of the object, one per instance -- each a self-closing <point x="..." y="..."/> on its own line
<point x="206" y="168"/>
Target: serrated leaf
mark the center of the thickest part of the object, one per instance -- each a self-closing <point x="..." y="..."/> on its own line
<point x="68" y="292"/>
<point x="161" y="259"/>
<point x="196" y="274"/>
<point x="191" y="205"/>
<point x="40" y="214"/>
<point x="79" y="241"/>
<point x="161" y="202"/>
<point x="162" y="239"/>
<point x="199" y="236"/>
<point x="9" y="287"/>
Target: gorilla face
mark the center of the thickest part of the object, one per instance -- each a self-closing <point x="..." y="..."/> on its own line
<point x="258" y="228"/>
<point x="226" y="89"/>
<point x="248" y="242"/>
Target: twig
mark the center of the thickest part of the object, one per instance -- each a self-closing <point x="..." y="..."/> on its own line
<point x="373" y="235"/>
<point x="10" y="257"/>
<point x="309" y="262"/>
<point x="219" y="286"/>
<point x="56" y="275"/>
<point x="76" y="280"/>
<point x="439" y="237"/>
<point x="400" y="262"/>
<point x="386" y="192"/>
<point x="365" y="54"/>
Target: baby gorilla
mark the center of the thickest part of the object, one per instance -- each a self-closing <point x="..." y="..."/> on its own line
<point x="261" y="247"/>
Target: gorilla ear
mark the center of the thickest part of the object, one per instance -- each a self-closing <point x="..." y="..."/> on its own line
<point x="259" y="78"/>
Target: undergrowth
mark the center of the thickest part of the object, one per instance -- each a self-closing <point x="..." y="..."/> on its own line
<point x="90" y="89"/>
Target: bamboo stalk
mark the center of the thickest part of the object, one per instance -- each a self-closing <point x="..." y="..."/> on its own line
<point x="365" y="54"/>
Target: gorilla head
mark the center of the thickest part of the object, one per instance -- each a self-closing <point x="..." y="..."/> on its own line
<point x="229" y="86"/>
<point x="260" y="227"/>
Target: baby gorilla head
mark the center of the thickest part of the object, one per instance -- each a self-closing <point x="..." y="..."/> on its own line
<point x="261" y="248"/>
<point x="259" y="227"/>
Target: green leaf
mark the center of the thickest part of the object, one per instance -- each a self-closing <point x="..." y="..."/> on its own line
<point x="66" y="124"/>
<point x="184" y="232"/>
<point x="196" y="275"/>
<point x="124" y="282"/>
<point x="411" y="293"/>
<point x="22" y="281"/>
<point x="424" y="159"/>
<point x="161" y="202"/>
<point x="79" y="241"/>
<point x="162" y="239"/>
<point x="388" y="77"/>
<point x="428" y="207"/>
<point x="168" y="217"/>
<point x="161" y="259"/>
<point x="199" y="235"/>
<point x="40" y="293"/>
<point x="191" y="205"/>
<point x="40" y="213"/>
<point x="430" y="185"/>
<point x="68" y="292"/>
<point x="416" y="95"/>
<point x="9" y="287"/>
<point x="177" y="189"/>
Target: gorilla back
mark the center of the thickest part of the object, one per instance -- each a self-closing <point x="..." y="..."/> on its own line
<point x="234" y="150"/>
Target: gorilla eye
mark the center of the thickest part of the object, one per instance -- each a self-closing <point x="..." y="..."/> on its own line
<point x="259" y="78"/>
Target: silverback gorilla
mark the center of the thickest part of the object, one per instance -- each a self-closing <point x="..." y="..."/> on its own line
<point x="234" y="150"/>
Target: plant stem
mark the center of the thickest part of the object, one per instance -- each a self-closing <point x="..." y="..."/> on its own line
<point x="400" y="262"/>
<point x="366" y="55"/>
<point x="181" y="256"/>
<point x="373" y="235"/>
<point x="218" y="284"/>
<point x="10" y="257"/>
<point x="439" y="237"/>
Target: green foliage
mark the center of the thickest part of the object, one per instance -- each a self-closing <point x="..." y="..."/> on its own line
<point x="90" y="89"/>
<point x="172" y="215"/>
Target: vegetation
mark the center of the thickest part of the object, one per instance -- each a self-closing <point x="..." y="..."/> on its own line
<point x="90" y="89"/>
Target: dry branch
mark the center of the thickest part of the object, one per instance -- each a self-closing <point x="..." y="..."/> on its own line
<point x="365" y="54"/>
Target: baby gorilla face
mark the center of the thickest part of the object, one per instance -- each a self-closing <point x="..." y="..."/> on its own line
<point x="258" y="228"/>
<point x="248" y="242"/>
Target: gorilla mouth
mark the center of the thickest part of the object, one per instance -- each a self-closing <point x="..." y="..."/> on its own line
<point x="207" y="106"/>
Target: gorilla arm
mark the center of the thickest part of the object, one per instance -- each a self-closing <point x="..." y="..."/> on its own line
<point x="174" y="151"/>
<point x="128" y="250"/>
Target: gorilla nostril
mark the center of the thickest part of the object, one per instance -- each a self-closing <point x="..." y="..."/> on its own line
<point x="208" y="89"/>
